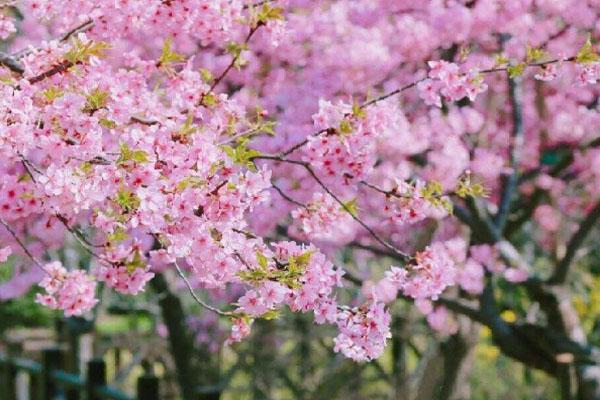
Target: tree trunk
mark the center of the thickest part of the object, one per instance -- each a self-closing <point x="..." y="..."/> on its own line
<point x="562" y="317"/>
<point x="447" y="374"/>
<point x="181" y="342"/>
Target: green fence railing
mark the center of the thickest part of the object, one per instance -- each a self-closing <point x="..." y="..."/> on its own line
<point x="47" y="381"/>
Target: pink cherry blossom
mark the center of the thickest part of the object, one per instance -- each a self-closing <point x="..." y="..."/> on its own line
<point x="71" y="291"/>
<point x="239" y="330"/>
<point x="5" y="252"/>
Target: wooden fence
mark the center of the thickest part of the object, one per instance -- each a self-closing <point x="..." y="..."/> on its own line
<point x="47" y="381"/>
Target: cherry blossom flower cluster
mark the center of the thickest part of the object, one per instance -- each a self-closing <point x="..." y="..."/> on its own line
<point x="240" y="329"/>
<point x="407" y="205"/>
<point x="306" y="283"/>
<point x="589" y="73"/>
<point x="363" y="332"/>
<point x="7" y="26"/>
<point x="5" y="252"/>
<point x="323" y="219"/>
<point x="446" y="81"/>
<point x="432" y="272"/>
<point x="345" y="153"/>
<point x="208" y="21"/>
<point x="81" y="157"/>
<point x="72" y="291"/>
<point x="300" y="277"/>
<point x="14" y="201"/>
<point x="123" y="280"/>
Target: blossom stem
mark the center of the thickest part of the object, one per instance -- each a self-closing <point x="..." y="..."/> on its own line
<point x="22" y="244"/>
<point x="196" y="297"/>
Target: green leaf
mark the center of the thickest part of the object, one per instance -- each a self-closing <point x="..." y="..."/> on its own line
<point x="206" y="75"/>
<point x="86" y="167"/>
<point x="53" y="93"/>
<point x="190" y="181"/>
<point x="534" y="54"/>
<point x="241" y="154"/>
<point x="209" y="99"/>
<point x="107" y="123"/>
<point x="351" y="206"/>
<point x="468" y="189"/>
<point x="266" y="13"/>
<point x="188" y="127"/>
<point x="304" y="258"/>
<point x="587" y="54"/>
<point x="358" y="111"/>
<point x="127" y="200"/>
<point x="81" y="52"/>
<point x="516" y="70"/>
<point x="501" y="59"/>
<point x="138" y="156"/>
<point x="270" y="315"/>
<point x="7" y="80"/>
<point x="432" y="191"/>
<point x="96" y="100"/>
<point x="235" y="49"/>
<point x="262" y="260"/>
<point x="118" y="235"/>
<point x="268" y="128"/>
<point x="168" y="56"/>
<point x="136" y="263"/>
<point x="346" y="126"/>
<point x="297" y="266"/>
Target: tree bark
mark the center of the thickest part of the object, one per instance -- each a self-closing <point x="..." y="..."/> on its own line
<point x="447" y="373"/>
<point x="181" y="342"/>
<point x="555" y="301"/>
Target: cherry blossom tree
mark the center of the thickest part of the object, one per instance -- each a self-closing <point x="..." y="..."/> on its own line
<point x="448" y="148"/>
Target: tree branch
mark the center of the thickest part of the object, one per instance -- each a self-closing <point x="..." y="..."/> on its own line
<point x="509" y="183"/>
<point x="10" y="63"/>
<point x="22" y="245"/>
<point x="344" y="206"/>
<point x="196" y="297"/>
<point x="562" y="269"/>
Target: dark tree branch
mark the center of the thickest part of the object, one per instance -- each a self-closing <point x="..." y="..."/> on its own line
<point x="463" y="309"/>
<point x="57" y="69"/>
<point x="286" y="197"/>
<point x="376" y="250"/>
<point x="10" y="63"/>
<point x="509" y="183"/>
<point x="234" y="60"/>
<point x="576" y="241"/>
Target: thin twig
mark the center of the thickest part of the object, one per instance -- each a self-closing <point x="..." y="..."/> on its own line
<point x="80" y="237"/>
<point x="196" y="297"/>
<point x="286" y="197"/>
<point x="85" y="26"/>
<point x="233" y="61"/>
<point x="239" y="135"/>
<point x="22" y="245"/>
<point x="143" y="121"/>
<point x="344" y="206"/>
<point x="375" y="250"/>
